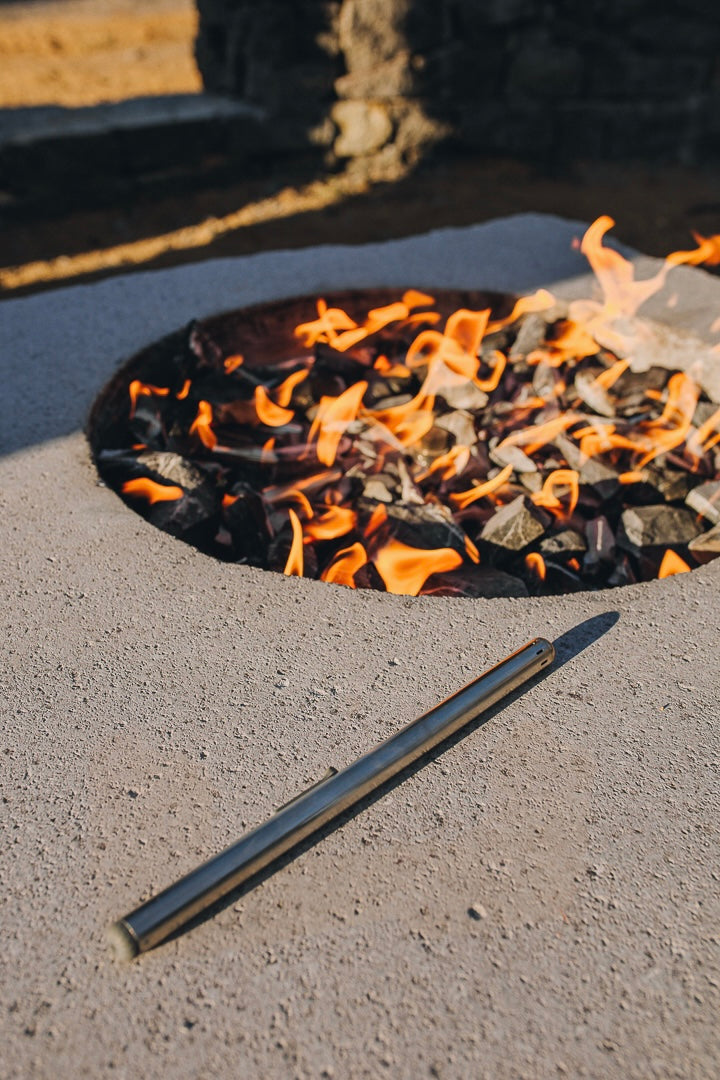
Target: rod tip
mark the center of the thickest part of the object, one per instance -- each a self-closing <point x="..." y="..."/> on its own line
<point x="121" y="943"/>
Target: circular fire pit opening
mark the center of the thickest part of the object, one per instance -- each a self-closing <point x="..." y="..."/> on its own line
<point x="455" y="444"/>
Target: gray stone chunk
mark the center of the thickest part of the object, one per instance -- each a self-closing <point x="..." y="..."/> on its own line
<point x="464" y="396"/>
<point x="706" y="546"/>
<point x="530" y="336"/>
<point x="567" y="543"/>
<point x="706" y="500"/>
<point x="512" y="455"/>
<point x="171" y="467"/>
<point x="655" y="526"/>
<point x="600" y="477"/>
<point x="592" y="394"/>
<point x="514" y="526"/>
<point x="460" y="424"/>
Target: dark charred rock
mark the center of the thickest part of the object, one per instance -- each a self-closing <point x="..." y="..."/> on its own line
<point x="425" y="526"/>
<point x="206" y="351"/>
<point x="622" y="574"/>
<point x="334" y="362"/>
<point x="147" y="424"/>
<point x="644" y="527"/>
<point x="475" y="581"/>
<point x="634" y="382"/>
<point x="247" y="521"/>
<point x="278" y="551"/>
<point x="367" y="577"/>
<point x="191" y="517"/>
<point x="515" y="526"/>
<point x="600" y="546"/>
<point x="560" y="578"/>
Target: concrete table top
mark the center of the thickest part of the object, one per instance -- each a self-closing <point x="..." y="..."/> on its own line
<point x="155" y="703"/>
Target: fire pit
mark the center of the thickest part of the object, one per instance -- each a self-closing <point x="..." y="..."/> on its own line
<point x="454" y="444"/>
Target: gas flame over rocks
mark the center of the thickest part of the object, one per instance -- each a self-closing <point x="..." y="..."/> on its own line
<point x="546" y="449"/>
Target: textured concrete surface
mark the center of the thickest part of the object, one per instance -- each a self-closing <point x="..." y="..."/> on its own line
<point x="155" y="703"/>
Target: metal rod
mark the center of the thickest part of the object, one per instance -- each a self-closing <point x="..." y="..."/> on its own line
<point x="156" y="919"/>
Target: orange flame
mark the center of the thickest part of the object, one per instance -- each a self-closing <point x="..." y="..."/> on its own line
<point x="408" y="422"/>
<point x="547" y="497"/>
<point x="461" y="499"/>
<point x="383" y="365"/>
<point x="284" y="392"/>
<point x="325" y="327"/>
<point x="491" y="382"/>
<point x="535" y="562"/>
<point x="707" y="252"/>
<point x="183" y="393"/>
<point x="231" y="363"/>
<point x="377" y="518"/>
<point x="705" y="437"/>
<point x="672" y="564"/>
<point x="671" y="429"/>
<point x="332" y="419"/>
<point x="406" y="569"/>
<point x="266" y="455"/>
<point x="532" y="438"/>
<point x="294" y="564"/>
<point x="471" y="550"/>
<point x="526" y="305"/>
<point x="268" y="412"/>
<point x="622" y="294"/>
<point x="144" y="488"/>
<point x="202" y="425"/>
<point x="345" y="565"/>
<point x="608" y="378"/>
<point x="599" y="438"/>
<point x="448" y="465"/>
<point x="137" y="389"/>
<point x="302" y="500"/>
<point x="335" y="326"/>
<point x="456" y="347"/>
<point x="336" y="521"/>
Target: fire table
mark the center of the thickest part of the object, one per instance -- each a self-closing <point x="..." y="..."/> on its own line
<point x="541" y="898"/>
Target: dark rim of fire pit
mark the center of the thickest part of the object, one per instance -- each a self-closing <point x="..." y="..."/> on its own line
<point x="263" y="334"/>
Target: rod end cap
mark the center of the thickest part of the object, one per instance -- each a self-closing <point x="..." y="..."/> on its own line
<point x="121" y="943"/>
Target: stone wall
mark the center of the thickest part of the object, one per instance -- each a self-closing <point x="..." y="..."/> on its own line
<point x="544" y="79"/>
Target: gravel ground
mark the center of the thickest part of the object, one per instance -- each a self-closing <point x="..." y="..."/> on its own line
<point x="155" y="703"/>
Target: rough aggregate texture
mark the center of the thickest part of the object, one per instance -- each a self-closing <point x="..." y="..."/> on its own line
<point x="540" y="900"/>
